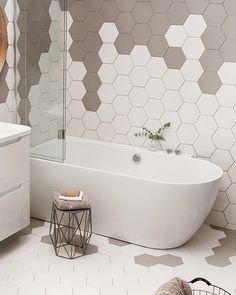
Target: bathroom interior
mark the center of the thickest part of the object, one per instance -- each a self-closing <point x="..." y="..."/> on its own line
<point x="99" y="95"/>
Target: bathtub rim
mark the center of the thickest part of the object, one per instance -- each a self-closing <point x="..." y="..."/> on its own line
<point x="129" y="175"/>
<point x="144" y="150"/>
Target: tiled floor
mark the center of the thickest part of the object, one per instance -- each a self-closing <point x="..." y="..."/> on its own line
<point x="28" y="264"/>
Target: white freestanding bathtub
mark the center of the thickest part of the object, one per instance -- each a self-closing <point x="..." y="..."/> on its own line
<point x="159" y="203"/>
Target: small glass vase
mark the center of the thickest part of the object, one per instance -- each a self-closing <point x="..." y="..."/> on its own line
<point x="153" y="145"/>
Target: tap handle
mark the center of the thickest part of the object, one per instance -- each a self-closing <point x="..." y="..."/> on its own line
<point x="178" y="152"/>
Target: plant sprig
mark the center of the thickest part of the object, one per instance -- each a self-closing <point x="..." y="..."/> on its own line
<point x="158" y="135"/>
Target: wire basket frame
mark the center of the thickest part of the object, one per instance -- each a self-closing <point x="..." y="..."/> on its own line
<point x="213" y="290"/>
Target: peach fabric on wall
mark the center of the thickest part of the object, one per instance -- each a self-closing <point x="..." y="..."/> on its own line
<point x="3" y="39"/>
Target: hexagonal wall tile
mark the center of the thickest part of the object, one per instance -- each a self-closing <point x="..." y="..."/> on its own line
<point x="108" y="32"/>
<point x="140" y="55"/>
<point x="225" y="117"/>
<point x="188" y="113"/>
<point x="195" y="25"/>
<point x="156" y="67"/>
<point x="223" y="139"/>
<point x="190" y="91"/>
<point x="121" y="124"/>
<point x="176" y="36"/>
<point x="154" y="109"/>
<point x="206" y="125"/>
<point x="138" y="96"/>
<point x="172" y="100"/>
<point x="187" y="133"/>
<point x="122" y="104"/>
<point x="155" y="88"/>
<point x="207" y="104"/>
<point x="222" y="158"/>
<point x="123" y="64"/>
<point x="173" y="79"/>
<point x="204" y="146"/>
<point x="139" y="76"/>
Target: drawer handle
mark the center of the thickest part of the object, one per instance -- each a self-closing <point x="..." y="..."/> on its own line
<point x="12" y="190"/>
<point x="10" y="142"/>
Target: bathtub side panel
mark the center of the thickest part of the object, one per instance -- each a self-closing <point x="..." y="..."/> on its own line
<point x="135" y="210"/>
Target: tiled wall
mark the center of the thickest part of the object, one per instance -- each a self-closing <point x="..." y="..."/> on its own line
<point x="143" y="63"/>
<point x="7" y="76"/>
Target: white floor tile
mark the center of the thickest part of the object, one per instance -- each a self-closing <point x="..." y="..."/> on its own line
<point x="86" y="291"/>
<point x="31" y="289"/>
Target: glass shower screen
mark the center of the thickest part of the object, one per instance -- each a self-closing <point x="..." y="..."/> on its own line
<point x="46" y="76"/>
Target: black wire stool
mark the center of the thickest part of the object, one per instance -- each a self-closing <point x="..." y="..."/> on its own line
<point x="70" y="231"/>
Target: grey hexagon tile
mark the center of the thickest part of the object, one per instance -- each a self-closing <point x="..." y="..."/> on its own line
<point x="93" y="21"/>
<point x="228" y="27"/>
<point x="45" y="21"/>
<point x="213" y="37"/>
<point x="4" y="91"/>
<point x="117" y="243"/>
<point x="21" y="44"/>
<point x="77" y="51"/>
<point x="92" y="42"/>
<point x="44" y="42"/>
<point x="94" y="5"/>
<point x="124" y="44"/>
<point x="109" y="11"/>
<point x="141" y="34"/>
<point x="33" y="53"/>
<point x="228" y="50"/>
<point x="78" y="11"/>
<point x="174" y="58"/>
<point x="46" y="240"/>
<point x="196" y="6"/>
<point x="92" y="82"/>
<point x="92" y="62"/>
<point x="150" y="260"/>
<point x="92" y="249"/>
<point x="78" y="31"/>
<point x="125" y="22"/>
<point x="177" y="13"/>
<point x="211" y="60"/>
<point x="160" y="6"/>
<point x="224" y="251"/>
<point x="159" y="24"/>
<point x="142" y="12"/>
<point x="158" y="45"/>
<point x="209" y="82"/>
<point x="230" y="7"/>
<point x="91" y="101"/>
<point x="218" y="260"/>
<point x="146" y="260"/>
<point x="125" y="5"/>
<point x="35" y="10"/>
<point x="215" y="15"/>
<point x="228" y="232"/>
<point x="170" y="260"/>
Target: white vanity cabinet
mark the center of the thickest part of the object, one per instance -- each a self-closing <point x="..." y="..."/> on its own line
<point x="14" y="178"/>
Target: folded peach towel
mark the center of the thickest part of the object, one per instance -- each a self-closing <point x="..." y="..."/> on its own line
<point x="71" y="193"/>
<point x="175" y="286"/>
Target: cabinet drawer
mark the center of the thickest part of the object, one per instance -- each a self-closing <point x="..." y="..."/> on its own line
<point x="14" y="210"/>
<point x="14" y="163"/>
